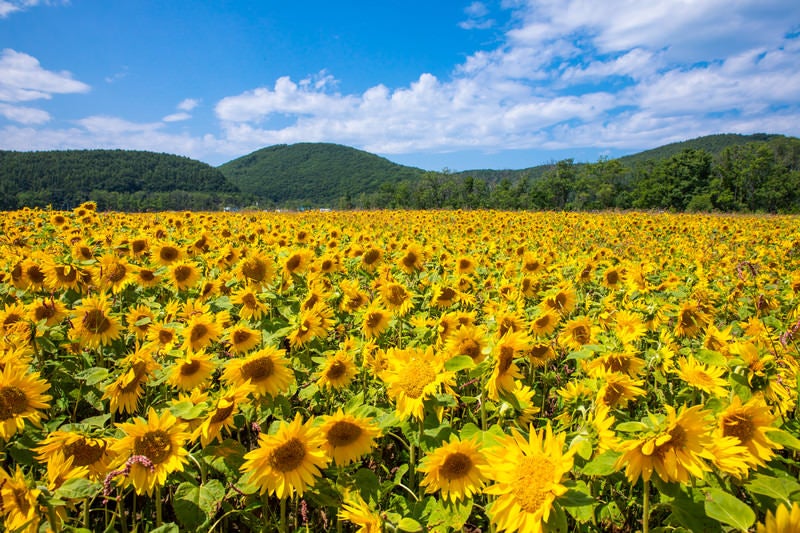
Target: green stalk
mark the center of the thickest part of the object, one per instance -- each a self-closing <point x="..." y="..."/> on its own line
<point x="158" y="506"/>
<point x="646" y="507"/>
<point x="283" y="516"/>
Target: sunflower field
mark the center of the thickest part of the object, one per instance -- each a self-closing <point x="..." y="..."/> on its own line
<point x="398" y="371"/>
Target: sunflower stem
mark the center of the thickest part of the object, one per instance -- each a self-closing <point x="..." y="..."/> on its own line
<point x="283" y="516"/>
<point x="158" y="506"/>
<point x="52" y="519"/>
<point x="646" y="507"/>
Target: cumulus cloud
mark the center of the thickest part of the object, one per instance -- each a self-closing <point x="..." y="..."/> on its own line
<point x="188" y="104"/>
<point x="10" y="6"/>
<point x="477" y="17"/>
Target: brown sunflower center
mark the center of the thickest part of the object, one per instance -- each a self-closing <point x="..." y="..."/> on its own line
<point x="543" y="321"/>
<point x="336" y="370"/>
<point x="190" y="368"/>
<point x="456" y="466"/>
<point x="612" y="277"/>
<point x="168" y="254"/>
<point x="35" y="274"/>
<point x="249" y="300"/>
<point x="374" y="319"/>
<point x="505" y="359"/>
<point x="117" y="273"/>
<point x="155" y="445"/>
<point x="255" y="269"/>
<point x="183" y="273"/>
<point x="343" y="433"/>
<point x="293" y="263"/>
<point x="446" y="294"/>
<point x="288" y="456"/>
<point x="396" y="295"/>
<point x="410" y="260"/>
<point x="13" y="401"/>
<point x="66" y="274"/>
<point x="464" y="264"/>
<point x="581" y="334"/>
<point x="221" y="414"/>
<point x="471" y="348"/>
<point x="739" y="426"/>
<point x="370" y="257"/>
<point x="258" y="369"/>
<point x="614" y="392"/>
<point x="241" y="336"/>
<point x="532" y="486"/>
<point x="84" y="453"/>
<point x="146" y="275"/>
<point x="44" y="311"/>
<point x="138" y="246"/>
<point x="96" y="321"/>
<point x="165" y="336"/>
<point x="199" y="331"/>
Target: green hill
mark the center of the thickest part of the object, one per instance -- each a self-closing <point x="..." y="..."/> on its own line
<point x="713" y="144"/>
<point x="313" y="173"/>
<point x="125" y="179"/>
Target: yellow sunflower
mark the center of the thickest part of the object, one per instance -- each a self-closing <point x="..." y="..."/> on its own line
<point x="113" y="273"/>
<point x="183" y="275"/>
<point x="191" y="371"/>
<point x="85" y="451"/>
<point x="748" y="422"/>
<point x="676" y="450"/>
<point x="468" y="340"/>
<point x="618" y="389"/>
<point x="287" y="462"/>
<point x="94" y="324"/>
<point x="221" y="416"/>
<point x="241" y="338"/>
<point x="166" y="253"/>
<point x="376" y="320"/>
<point x="347" y="437"/>
<point x="337" y="371"/>
<point x="22" y="397"/>
<point x="268" y="370"/>
<point x="20" y="508"/>
<point x="160" y="440"/>
<point x="139" y="319"/>
<point x="504" y="370"/>
<point x="706" y="378"/>
<point x="413" y="259"/>
<point x="124" y="392"/>
<point x="355" y="510"/>
<point x="625" y="362"/>
<point x="371" y="258"/>
<point x="578" y="332"/>
<point x="162" y="337"/>
<point x="413" y="375"/>
<point x="526" y="475"/>
<point x="252" y="308"/>
<point x="200" y="331"/>
<point x="49" y="310"/>
<point x="457" y="468"/>
<point x="61" y="277"/>
<point x="396" y="298"/>
<point x="540" y="353"/>
<point x="784" y="520"/>
<point x="691" y="320"/>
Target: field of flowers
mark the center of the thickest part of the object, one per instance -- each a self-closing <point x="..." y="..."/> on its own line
<point x="398" y="371"/>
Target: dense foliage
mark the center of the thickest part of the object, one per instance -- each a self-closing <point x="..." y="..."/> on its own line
<point x="400" y="371"/>
<point x="115" y="179"/>
<point x="313" y="173"/>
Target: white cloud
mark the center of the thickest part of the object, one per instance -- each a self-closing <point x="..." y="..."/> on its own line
<point x="10" y="6"/>
<point x="177" y="117"/>
<point x="477" y="17"/>
<point x="22" y="79"/>
<point x="24" y="115"/>
<point x="188" y="104"/>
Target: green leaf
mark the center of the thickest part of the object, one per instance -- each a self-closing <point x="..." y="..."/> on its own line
<point x="784" y="438"/>
<point x="631" y="427"/>
<point x="93" y="376"/>
<point x="459" y="362"/>
<point x="195" y="505"/>
<point x="187" y="410"/>
<point x="603" y="464"/>
<point x="77" y="488"/>
<point x="446" y="516"/>
<point x="582" y="446"/>
<point x="728" y="509"/>
<point x="368" y="484"/>
<point x="578" y="501"/>
<point x="710" y="357"/>
<point x="410" y="525"/>
<point x="557" y="522"/>
<point x="773" y="487"/>
<point x="169" y="527"/>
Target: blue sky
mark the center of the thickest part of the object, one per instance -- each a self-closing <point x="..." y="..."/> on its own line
<point x="433" y="84"/>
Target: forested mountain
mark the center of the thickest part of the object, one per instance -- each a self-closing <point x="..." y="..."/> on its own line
<point x="117" y="179"/>
<point x="313" y="173"/>
<point x="743" y="173"/>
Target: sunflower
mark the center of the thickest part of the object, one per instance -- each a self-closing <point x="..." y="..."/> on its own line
<point x="691" y="320"/>
<point x="82" y="251"/>
<point x="12" y="315"/>
<point x="613" y="277"/>
<point x="468" y="340"/>
<point x="748" y="423"/>
<point x="200" y="331"/>
<point x="508" y="322"/>
<point x="161" y="439"/>
<point x="221" y="416"/>
<point x="310" y="323"/>
<point x="457" y="468"/>
<point x="124" y="392"/>
<point x="412" y="376"/>
<point x="297" y="262"/>
<point x="676" y="450"/>
<point x="504" y="370"/>
<point x="183" y="275"/>
<point x="618" y="389"/>
<point x="355" y="510"/>
<point x="95" y="326"/>
<point x="716" y="340"/>
<point x="167" y="253"/>
<point x="730" y="456"/>
<point x="33" y="274"/>
<point x="376" y="320"/>
<point x="252" y="308"/>
<point x="703" y="377"/>
<point x="443" y="296"/>
<point x="561" y="299"/>
<point x="19" y="503"/>
<point x="139" y="319"/>
<point x="465" y="265"/>
<point x="413" y="259"/>
<point x="353" y="298"/>
<point x="396" y="298"/>
<point x="578" y="332"/>
<point x="241" y="338"/>
<point x="624" y="362"/>
<point x="371" y="258"/>
<point x="784" y="520"/>
<point x="22" y="396"/>
<point x="191" y="371"/>
<point x="113" y="273"/>
<point x="347" y="437"/>
<point x="526" y="476"/>
<point x="92" y="453"/>
<point x="337" y="371"/>
<point x="146" y="277"/>
<point x="629" y="326"/>
<point x="162" y="337"/>
<point x="540" y="353"/>
<point x="287" y="462"/>
<point x="59" y="277"/>
<point x="600" y="423"/>
<point x="268" y="370"/>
